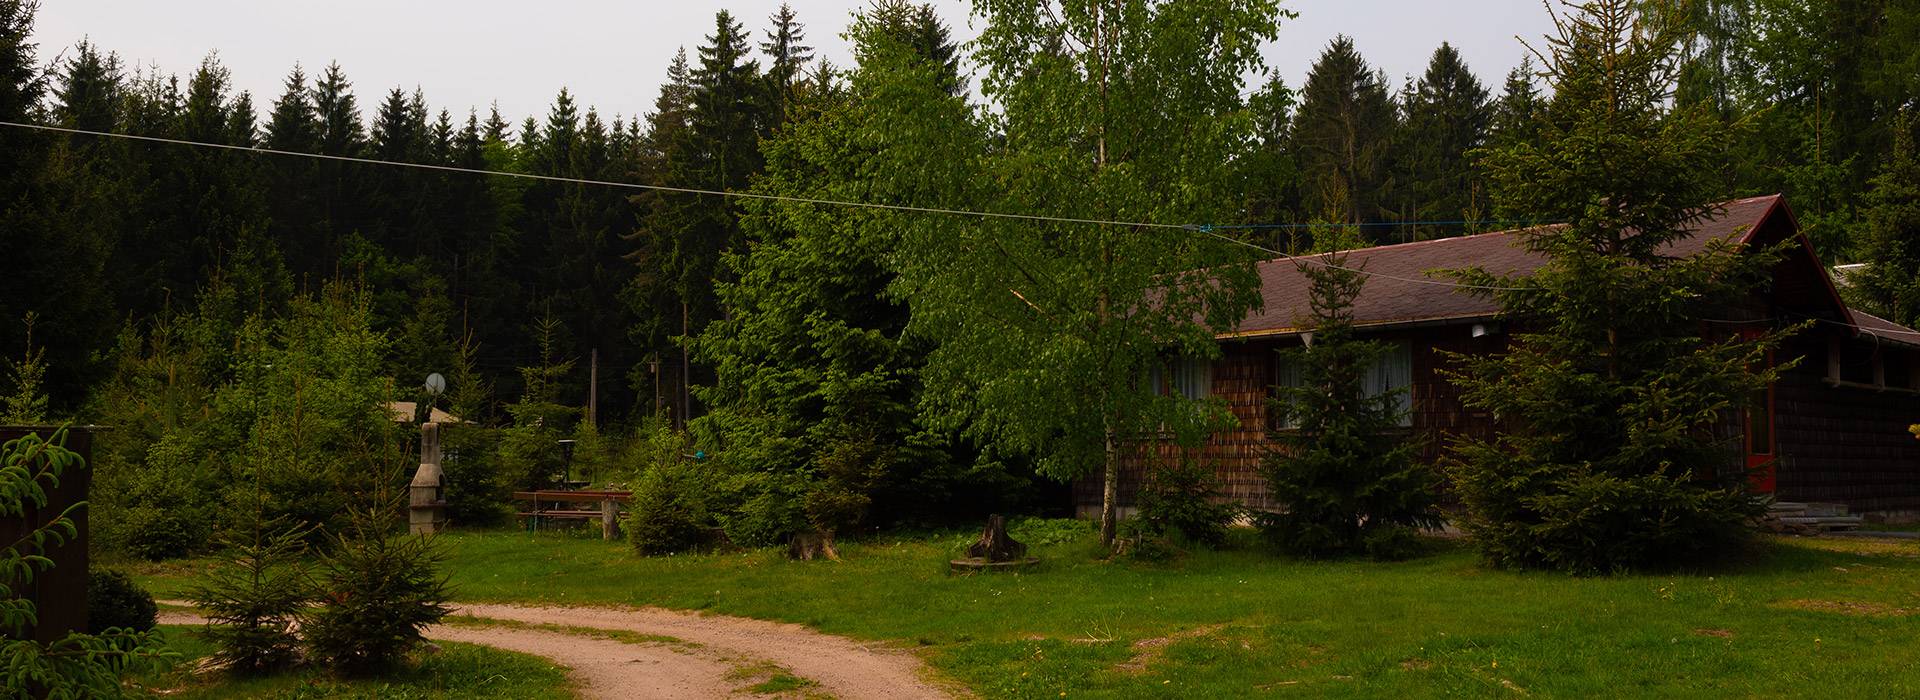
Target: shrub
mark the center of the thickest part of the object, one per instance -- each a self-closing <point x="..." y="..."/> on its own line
<point x="1042" y="532"/>
<point x="666" y="515"/>
<point x="379" y="589"/>
<point x="114" y="601"/>
<point x="1181" y="500"/>
<point x="1141" y="541"/>
<point x="472" y="485"/>
<point x="1595" y="523"/>
<point x="255" y="597"/>
<point x="157" y="534"/>
<point x="771" y="510"/>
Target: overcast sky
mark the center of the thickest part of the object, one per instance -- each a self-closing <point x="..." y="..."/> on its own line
<point x="613" y="56"/>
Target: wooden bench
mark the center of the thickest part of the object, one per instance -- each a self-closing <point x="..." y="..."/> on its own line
<point x="571" y="506"/>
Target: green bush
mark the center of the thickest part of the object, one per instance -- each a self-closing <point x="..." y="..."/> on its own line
<point x="1593" y="523"/>
<point x="472" y="485"/>
<point x="1044" y="532"/>
<point x="114" y="601"/>
<point x="1143" y="541"/>
<point x="1183" y="500"/>
<point x="254" y="598"/>
<point x="378" y="590"/>
<point x="157" y="534"/>
<point x="771" y="510"/>
<point x="667" y="514"/>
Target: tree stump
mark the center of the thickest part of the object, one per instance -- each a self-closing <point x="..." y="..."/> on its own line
<point x="995" y="544"/>
<point x="996" y="551"/>
<point x="808" y="546"/>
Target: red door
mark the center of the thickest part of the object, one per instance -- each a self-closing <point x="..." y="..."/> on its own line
<point x="1760" y="447"/>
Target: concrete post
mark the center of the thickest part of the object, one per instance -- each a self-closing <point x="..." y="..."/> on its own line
<point x="426" y="510"/>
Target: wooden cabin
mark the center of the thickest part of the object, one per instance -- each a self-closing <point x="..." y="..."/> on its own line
<point x="1834" y="427"/>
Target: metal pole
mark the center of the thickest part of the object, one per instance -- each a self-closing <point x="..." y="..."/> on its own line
<point x="593" y="388"/>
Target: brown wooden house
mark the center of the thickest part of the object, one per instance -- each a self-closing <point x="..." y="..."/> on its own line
<point x="1834" y="427"/>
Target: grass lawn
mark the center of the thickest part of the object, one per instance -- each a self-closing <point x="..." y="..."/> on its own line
<point x="1800" y="617"/>
<point x="456" y="671"/>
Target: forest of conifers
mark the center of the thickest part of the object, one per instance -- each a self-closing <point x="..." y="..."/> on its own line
<point x="137" y="268"/>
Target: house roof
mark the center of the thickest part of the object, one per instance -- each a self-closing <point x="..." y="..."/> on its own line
<point x="1405" y="287"/>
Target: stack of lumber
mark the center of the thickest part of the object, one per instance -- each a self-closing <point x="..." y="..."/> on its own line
<point x="1811" y="518"/>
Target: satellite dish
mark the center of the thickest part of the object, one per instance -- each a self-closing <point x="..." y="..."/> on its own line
<point x="436" y="384"/>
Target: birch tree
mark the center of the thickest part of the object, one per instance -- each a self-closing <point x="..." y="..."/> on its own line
<point x="1047" y="331"/>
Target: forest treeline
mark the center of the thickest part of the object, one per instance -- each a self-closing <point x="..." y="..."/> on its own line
<point x="137" y="268"/>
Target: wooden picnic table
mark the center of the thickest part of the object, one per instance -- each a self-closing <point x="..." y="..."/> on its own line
<point x="572" y="505"/>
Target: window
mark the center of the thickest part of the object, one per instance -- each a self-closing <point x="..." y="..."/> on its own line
<point x="1391" y="374"/>
<point x="1190" y="377"/>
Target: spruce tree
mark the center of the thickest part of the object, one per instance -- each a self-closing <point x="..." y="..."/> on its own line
<point x="787" y="60"/>
<point x="1272" y="173"/>
<point x="1447" y="117"/>
<point x="1349" y="483"/>
<point x="1516" y="115"/>
<point x="817" y="378"/>
<point x="1343" y="138"/>
<point x="1609" y="397"/>
<point x="918" y="26"/>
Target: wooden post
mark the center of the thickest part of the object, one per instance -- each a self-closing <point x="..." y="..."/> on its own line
<point x="609" y="521"/>
<point x="593" y="388"/>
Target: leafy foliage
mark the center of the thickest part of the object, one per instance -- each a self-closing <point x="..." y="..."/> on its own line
<point x="1609" y="396"/>
<point x="1043" y="328"/>
<point x="79" y="664"/>
<point x="1345" y="474"/>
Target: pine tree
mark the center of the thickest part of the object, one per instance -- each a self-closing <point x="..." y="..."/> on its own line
<point x="1516" y="116"/>
<point x="787" y="60"/>
<point x="1447" y="117"/>
<point x="1348" y="483"/>
<point x="339" y="186"/>
<point x="1891" y="284"/>
<point x="919" y="27"/>
<point x="816" y="377"/>
<point x="1343" y="138"/>
<point x="26" y="404"/>
<point x="292" y="184"/>
<point x="1609" y="397"/>
<point x="1272" y="174"/>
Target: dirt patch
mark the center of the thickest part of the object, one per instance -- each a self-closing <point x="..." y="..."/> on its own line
<point x="1149" y="650"/>
<point x="648" y="653"/>
<point x="842" y="667"/>
<point x="1847" y="607"/>
<point x="609" y="668"/>
<point x="1706" y="632"/>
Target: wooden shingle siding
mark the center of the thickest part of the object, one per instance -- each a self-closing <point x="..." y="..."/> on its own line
<point x="1842" y="444"/>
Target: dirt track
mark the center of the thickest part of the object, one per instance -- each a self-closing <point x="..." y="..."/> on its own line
<point x="715" y="656"/>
